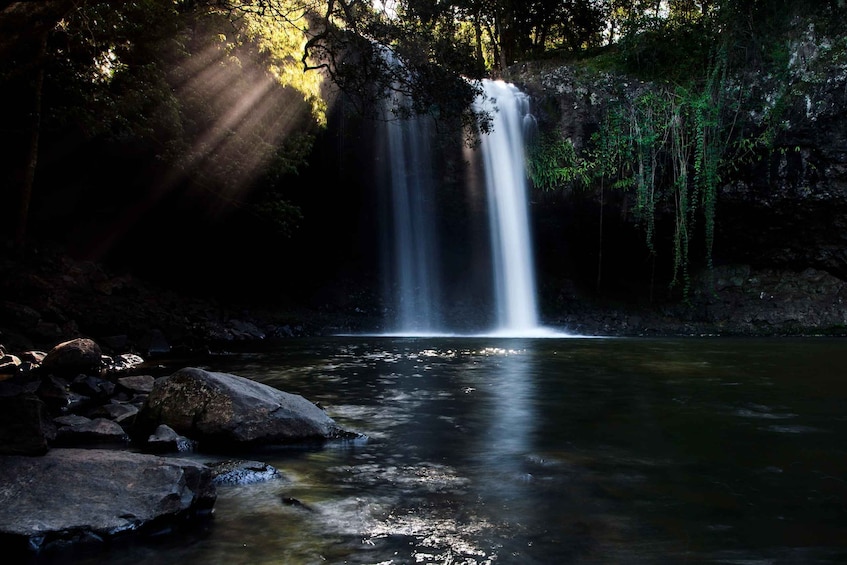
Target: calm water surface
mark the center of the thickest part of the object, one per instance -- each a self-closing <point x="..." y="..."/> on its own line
<point x="546" y="451"/>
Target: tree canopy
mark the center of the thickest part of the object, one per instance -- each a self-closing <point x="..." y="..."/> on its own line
<point x="223" y="97"/>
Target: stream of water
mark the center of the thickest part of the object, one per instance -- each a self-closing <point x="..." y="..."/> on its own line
<point x="415" y="276"/>
<point x="545" y="451"/>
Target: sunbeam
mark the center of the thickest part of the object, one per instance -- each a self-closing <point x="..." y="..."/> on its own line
<point x="236" y="116"/>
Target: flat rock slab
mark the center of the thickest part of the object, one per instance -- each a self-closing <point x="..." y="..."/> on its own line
<point x="88" y="495"/>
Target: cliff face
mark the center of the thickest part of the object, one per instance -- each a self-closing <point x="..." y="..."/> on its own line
<point x="779" y="253"/>
<point x="780" y="233"/>
<point x="789" y="209"/>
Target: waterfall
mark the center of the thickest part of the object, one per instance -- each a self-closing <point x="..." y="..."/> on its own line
<point x="417" y="294"/>
<point x="505" y="181"/>
<point x="415" y="277"/>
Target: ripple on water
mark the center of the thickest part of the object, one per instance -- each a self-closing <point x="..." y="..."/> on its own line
<point x="793" y="429"/>
<point x="762" y="412"/>
<point x="420" y="534"/>
<point x="427" y="477"/>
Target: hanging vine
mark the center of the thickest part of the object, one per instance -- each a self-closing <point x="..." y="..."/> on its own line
<point x="666" y="146"/>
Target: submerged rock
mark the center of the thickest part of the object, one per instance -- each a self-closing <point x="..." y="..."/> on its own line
<point x="242" y="472"/>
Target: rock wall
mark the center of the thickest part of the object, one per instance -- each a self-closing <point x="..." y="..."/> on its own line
<point x="781" y="211"/>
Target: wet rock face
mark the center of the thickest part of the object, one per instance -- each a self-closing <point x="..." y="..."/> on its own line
<point x="771" y="301"/>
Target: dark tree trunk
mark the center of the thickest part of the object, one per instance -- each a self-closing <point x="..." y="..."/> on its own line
<point x="32" y="151"/>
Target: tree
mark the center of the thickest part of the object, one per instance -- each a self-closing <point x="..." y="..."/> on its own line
<point x="25" y="57"/>
<point x="369" y="54"/>
<point x="125" y="73"/>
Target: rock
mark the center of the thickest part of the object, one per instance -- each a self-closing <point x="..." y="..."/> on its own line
<point x="123" y="362"/>
<point x="290" y="501"/>
<point x="70" y="358"/>
<point x="137" y="383"/>
<point x="98" y="432"/>
<point x="93" y="387"/>
<point x="222" y="410"/>
<point x="166" y="440"/>
<point x="56" y="393"/>
<point x="112" y="494"/>
<point x="242" y="472"/>
<point x="120" y="412"/>
<point x="9" y="365"/>
<point x="25" y="428"/>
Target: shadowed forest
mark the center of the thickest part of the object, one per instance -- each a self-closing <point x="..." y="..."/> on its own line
<point x="182" y="137"/>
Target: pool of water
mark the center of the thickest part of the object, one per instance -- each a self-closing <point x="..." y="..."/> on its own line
<point x="544" y="451"/>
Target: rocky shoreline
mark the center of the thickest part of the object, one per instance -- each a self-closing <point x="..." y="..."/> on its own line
<point x="124" y="436"/>
<point x="48" y="298"/>
<point x="85" y="391"/>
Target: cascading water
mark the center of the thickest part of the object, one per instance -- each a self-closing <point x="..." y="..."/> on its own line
<point x="411" y="256"/>
<point x="505" y="180"/>
<point x="417" y="301"/>
<point x="414" y="250"/>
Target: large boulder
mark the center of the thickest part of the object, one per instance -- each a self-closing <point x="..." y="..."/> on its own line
<point x="220" y="410"/>
<point x="72" y="496"/>
<point x="73" y="357"/>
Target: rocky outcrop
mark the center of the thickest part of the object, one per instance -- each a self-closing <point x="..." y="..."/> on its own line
<point x="112" y="494"/>
<point x="781" y="204"/>
<point x="109" y="429"/>
<point x="740" y="300"/>
<point x="223" y="410"/>
<point x="730" y="300"/>
<point x="190" y="408"/>
<point x="787" y="208"/>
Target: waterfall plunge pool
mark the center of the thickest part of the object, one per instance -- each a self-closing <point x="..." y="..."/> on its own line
<point x="543" y="451"/>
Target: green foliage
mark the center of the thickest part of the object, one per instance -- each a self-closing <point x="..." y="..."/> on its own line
<point x="212" y="96"/>
<point x="212" y="91"/>
<point x="666" y="147"/>
<point x="553" y="162"/>
<point x="669" y="146"/>
<point x="666" y="50"/>
<point x="279" y="43"/>
<point x="282" y="216"/>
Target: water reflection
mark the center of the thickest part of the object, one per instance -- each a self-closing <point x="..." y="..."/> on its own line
<point x="549" y="451"/>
